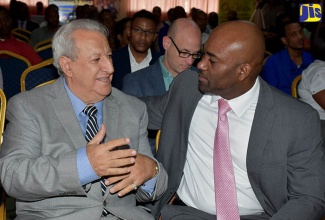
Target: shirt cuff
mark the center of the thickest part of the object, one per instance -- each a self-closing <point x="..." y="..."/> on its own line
<point x="150" y="185"/>
<point x="85" y="171"/>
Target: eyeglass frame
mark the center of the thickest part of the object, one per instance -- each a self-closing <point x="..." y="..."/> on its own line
<point x="187" y="54"/>
<point x="149" y="33"/>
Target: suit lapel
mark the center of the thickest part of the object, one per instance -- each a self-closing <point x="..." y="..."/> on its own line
<point x="65" y="114"/>
<point x="156" y="77"/>
<point x="261" y="128"/>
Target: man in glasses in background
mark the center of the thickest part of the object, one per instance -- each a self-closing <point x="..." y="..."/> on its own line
<point x="137" y="54"/>
<point x="182" y="46"/>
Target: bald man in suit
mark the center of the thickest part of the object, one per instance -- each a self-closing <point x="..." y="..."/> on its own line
<point x="276" y="149"/>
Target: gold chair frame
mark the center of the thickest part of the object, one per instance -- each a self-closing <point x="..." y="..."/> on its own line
<point x="294" y="85"/>
<point x="42" y="44"/>
<point x="31" y="68"/>
<point x="3" y="106"/>
<point x="9" y="53"/>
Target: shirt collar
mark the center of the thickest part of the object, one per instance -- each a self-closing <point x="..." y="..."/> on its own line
<point x="77" y="104"/>
<point x="240" y="104"/>
<point x="132" y="59"/>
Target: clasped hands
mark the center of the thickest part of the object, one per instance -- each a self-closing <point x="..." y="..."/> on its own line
<point x="125" y="167"/>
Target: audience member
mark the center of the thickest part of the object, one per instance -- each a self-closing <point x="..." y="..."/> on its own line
<point x="182" y="46"/>
<point x="270" y="11"/>
<point x="47" y="32"/>
<point x="121" y="32"/>
<point x="10" y="43"/>
<point x="177" y="12"/>
<point x="282" y="67"/>
<point x="232" y="15"/>
<point x="213" y="21"/>
<point x="39" y="16"/>
<point x="201" y="18"/>
<point x="265" y="163"/>
<point x="52" y="160"/>
<point x="137" y="55"/>
<point x="156" y="11"/>
<point x="23" y="19"/>
<point x="311" y="88"/>
<point x="105" y="17"/>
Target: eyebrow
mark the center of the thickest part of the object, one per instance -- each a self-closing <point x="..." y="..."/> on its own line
<point x="211" y="54"/>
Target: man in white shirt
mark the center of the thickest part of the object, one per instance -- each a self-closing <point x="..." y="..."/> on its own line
<point x="274" y="143"/>
<point x="137" y="54"/>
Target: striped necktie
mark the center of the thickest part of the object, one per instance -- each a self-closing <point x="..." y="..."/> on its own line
<point x="91" y="131"/>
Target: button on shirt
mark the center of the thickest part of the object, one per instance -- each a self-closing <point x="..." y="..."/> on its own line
<point x="197" y="184"/>
<point x="137" y="66"/>
<point x="85" y="171"/>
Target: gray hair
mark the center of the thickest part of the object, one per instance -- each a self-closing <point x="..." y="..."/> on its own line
<point x="63" y="43"/>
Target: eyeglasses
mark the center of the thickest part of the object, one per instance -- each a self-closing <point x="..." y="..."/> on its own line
<point x="146" y="32"/>
<point x="184" y="54"/>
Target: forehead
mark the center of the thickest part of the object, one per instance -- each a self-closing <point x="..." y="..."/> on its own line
<point x="145" y="22"/>
<point x="293" y="27"/>
<point x="90" y="40"/>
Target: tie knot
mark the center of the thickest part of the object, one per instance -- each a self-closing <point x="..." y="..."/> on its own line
<point x="223" y="107"/>
<point x="90" y="111"/>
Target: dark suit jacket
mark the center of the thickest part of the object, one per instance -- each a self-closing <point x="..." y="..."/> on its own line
<point x="148" y="81"/>
<point x="122" y="65"/>
<point x="30" y="25"/>
<point x="285" y="156"/>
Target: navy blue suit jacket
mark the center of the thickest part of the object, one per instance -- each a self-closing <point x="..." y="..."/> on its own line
<point x="148" y="81"/>
<point x="122" y="65"/>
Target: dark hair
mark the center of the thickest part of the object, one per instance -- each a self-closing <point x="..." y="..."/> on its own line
<point x="178" y="12"/>
<point x="318" y="44"/>
<point x="144" y="14"/>
<point x="283" y="20"/>
<point x="49" y="8"/>
<point x="120" y="25"/>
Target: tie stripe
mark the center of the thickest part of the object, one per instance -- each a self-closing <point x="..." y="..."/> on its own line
<point x="91" y="131"/>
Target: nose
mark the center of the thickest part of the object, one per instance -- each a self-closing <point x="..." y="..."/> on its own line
<point x="202" y="65"/>
<point x="107" y="65"/>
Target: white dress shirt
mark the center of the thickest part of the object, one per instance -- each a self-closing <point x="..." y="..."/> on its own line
<point x="312" y="82"/>
<point x="197" y="185"/>
<point x="138" y="66"/>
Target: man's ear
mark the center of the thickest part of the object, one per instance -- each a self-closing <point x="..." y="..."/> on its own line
<point x="244" y="71"/>
<point x="166" y="42"/>
<point x="65" y="64"/>
<point x="284" y="41"/>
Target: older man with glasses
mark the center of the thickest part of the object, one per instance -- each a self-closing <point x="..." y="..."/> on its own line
<point x="182" y="47"/>
<point x="137" y="54"/>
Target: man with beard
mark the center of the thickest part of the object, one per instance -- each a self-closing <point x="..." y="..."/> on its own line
<point x="137" y="54"/>
<point x="236" y="148"/>
<point x="281" y="68"/>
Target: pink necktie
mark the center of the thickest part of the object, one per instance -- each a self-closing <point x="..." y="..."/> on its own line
<point x="224" y="178"/>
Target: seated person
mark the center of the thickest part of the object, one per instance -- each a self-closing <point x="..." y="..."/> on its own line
<point x="137" y="54"/>
<point x="46" y="32"/>
<point x="10" y="43"/>
<point x="78" y="148"/>
<point x="227" y="137"/>
<point x="182" y="46"/>
<point x="282" y="67"/>
<point x="311" y="88"/>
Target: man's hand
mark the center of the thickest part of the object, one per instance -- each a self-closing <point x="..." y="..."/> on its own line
<point x="142" y="170"/>
<point x="106" y="161"/>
